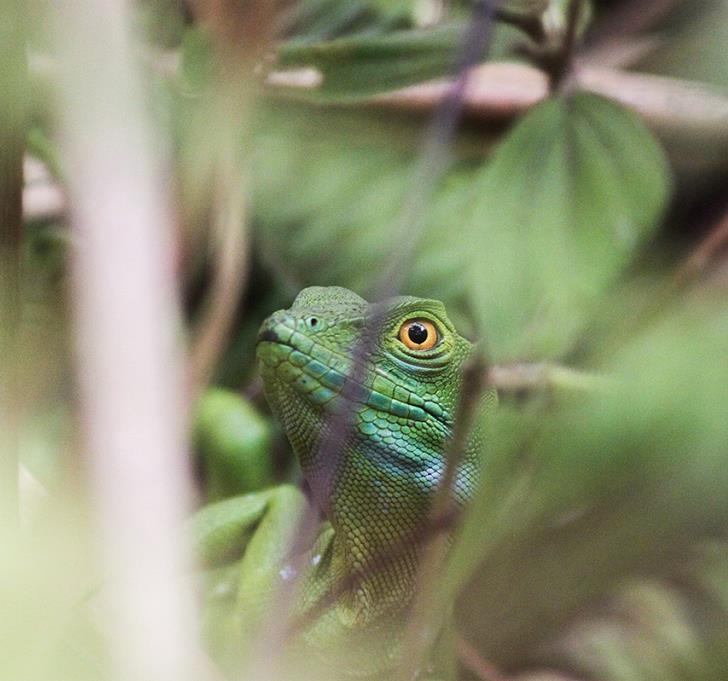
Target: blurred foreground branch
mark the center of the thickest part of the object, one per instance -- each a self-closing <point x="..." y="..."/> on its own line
<point x="13" y="93"/>
<point x="130" y="368"/>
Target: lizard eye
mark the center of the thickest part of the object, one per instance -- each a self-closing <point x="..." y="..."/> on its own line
<point x="418" y="334"/>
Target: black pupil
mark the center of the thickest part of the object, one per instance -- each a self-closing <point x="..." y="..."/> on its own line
<point x="417" y="333"/>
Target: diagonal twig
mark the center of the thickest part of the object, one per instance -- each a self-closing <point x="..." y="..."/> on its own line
<point x="472" y="660"/>
<point x="705" y="252"/>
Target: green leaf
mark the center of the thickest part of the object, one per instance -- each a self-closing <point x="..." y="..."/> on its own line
<point x="318" y="20"/>
<point x="530" y="7"/>
<point x="233" y="441"/>
<point x="568" y="197"/>
<point x="360" y="66"/>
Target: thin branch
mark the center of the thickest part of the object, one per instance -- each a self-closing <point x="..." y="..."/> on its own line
<point x="496" y="92"/>
<point x="432" y="163"/>
<point x="499" y="92"/>
<point x="622" y="53"/>
<point x="239" y="37"/>
<point x="430" y="167"/>
<point x="524" y="377"/>
<point x="435" y="155"/>
<point x="557" y="60"/>
<point x="667" y="105"/>
<point x="706" y="251"/>
<point x="129" y="360"/>
<point x="471" y="659"/>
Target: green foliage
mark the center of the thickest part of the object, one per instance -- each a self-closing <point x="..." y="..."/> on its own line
<point x="555" y="217"/>
<point x="587" y="490"/>
<point x="357" y="178"/>
<point x="234" y="441"/>
<point x="360" y="66"/>
<point x="317" y="20"/>
<point x="596" y="544"/>
<point x="550" y="221"/>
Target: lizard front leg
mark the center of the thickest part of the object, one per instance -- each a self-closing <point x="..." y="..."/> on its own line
<point x="245" y="542"/>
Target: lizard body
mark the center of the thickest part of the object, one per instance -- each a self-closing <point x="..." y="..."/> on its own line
<point x="375" y="493"/>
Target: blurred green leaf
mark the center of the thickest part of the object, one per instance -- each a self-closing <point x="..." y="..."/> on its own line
<point x="567" y="199"/>
<point x="234" y="442"/>
<point x="360" y="66"/>
<point x="319" y="20"/>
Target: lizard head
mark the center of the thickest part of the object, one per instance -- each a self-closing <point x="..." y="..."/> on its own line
<point x="402" y="401"/>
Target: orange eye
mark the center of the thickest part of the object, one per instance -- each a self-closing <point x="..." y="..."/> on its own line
<point x="418" y="334"/>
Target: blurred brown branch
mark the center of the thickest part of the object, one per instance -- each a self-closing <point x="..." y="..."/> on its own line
<point x="472" y="660"/>
<point x="706" y="251"/>
<point x="685" y="114"/>
<point x="503" y="90"/>
<point x="229" y="247"/>
<point x="234" y="31"/>
<point x="629" y="19"/>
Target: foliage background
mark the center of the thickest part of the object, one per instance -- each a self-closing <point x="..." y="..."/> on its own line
<point x="575" y="222"/>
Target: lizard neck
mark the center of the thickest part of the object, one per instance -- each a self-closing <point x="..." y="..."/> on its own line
<point x="378" y="515"/>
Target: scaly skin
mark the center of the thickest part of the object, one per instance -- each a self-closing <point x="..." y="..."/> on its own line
<point x="376" y="491"/>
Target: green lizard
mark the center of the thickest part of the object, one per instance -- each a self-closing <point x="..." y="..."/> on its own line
<point x="375" y="492"/>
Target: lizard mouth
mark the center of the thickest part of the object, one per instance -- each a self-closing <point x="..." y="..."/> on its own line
<point x="319" y="374"/>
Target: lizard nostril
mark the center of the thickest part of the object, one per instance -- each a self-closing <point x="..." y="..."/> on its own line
<point x="312" y="321"/>
<point x="267" y="334"/>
